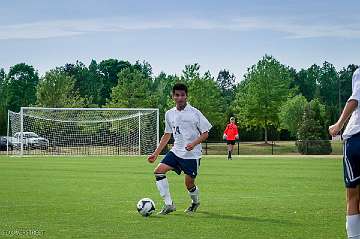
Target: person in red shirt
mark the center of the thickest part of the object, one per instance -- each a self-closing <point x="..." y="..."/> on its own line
<point x="231" y="134"/>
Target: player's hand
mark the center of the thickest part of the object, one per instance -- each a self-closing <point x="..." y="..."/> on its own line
<point x="334" y="129"/>
<point x="224" y="137"/>
<point x="237" y="136"/>
<point x="152" y="158"/>
<point x="189" y="147"/>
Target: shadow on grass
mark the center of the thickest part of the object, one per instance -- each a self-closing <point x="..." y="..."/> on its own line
<point x="212" y="215"/>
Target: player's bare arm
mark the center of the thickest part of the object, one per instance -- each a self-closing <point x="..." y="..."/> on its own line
<point x="163" y="142"/>
<point x="348" y="110"/>
<point x="197" y="141"/>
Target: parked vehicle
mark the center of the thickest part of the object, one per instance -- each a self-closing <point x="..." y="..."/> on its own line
<point x="30" y="141"/>
<point x="3" y="143"/>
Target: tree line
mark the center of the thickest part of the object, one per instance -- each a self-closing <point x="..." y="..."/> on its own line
<point x="269" y="103"/>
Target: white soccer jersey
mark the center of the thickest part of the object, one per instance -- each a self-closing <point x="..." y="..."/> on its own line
<point x="353" y="127"/>
<point x="186" y="125"/>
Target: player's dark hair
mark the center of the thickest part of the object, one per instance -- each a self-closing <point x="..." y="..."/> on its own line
<point x="180" y="86"/>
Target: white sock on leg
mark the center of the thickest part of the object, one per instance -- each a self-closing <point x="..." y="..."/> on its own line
<point x="194" y="195"/>
<point x="162" y="184"/>
<point x="353" y="226"/>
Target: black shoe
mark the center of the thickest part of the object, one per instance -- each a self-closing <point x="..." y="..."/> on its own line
<point x="193" y="207"/>
<point x="167" y="209"/>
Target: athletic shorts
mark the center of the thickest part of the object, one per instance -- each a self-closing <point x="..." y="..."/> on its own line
<point x="188" y="166"/>
<point x="232" y="142"/>
<point x="352" y="161"/>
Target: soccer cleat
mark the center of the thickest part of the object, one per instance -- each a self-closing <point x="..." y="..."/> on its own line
<point x="167" y="209"/>
<point x="193" y="207"/>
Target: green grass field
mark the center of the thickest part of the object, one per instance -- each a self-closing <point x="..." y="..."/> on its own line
<point x="95" y="197"/>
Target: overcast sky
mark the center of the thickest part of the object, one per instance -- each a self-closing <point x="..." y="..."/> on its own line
<point x="170" y="34"/>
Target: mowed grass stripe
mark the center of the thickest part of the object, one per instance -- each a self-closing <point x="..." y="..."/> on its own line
<point x="249" y="197"/>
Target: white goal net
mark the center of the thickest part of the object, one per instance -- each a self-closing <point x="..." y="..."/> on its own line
<point x="83" y="131"/>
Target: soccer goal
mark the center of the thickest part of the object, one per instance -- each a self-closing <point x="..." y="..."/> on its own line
<point x="82" y="131"/>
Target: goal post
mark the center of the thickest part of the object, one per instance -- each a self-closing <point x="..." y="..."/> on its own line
<point x="83" y="131"/>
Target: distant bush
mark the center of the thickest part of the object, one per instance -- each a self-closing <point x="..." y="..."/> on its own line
<point x="312" y="135"/>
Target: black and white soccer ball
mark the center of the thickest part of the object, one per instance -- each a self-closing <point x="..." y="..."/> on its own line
<point x="145" y="207"/>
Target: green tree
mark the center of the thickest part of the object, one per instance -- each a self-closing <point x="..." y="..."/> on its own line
<point x="306" y="81"/>
<point x="22" y="80"/>
<point x="2" y="76"/>
<point x="259" y="100"/>
<point x="57" y="89"/>
<point x="88" y="81"/>
<point x="191" y="72"/>
<point x="94" y="85"/>
<point x="345" y="84"/>
<point x="312" y="133"/>
<point x="3" y="102"/>
<point x="132" y="90"/>
<point x="226" y="83"/>
<point x="291" y="113"/>
<point x="144" y="67"/>
<point x="329" y="91"/>
<point x="109" y="69"/>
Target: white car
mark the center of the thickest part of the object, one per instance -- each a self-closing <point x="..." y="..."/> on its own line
<point x="30" y="141"/>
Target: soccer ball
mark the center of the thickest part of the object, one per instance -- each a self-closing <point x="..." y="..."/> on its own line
<point x="145" y="207"/>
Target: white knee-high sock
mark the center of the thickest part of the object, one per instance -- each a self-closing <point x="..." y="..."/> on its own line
<point x="353" y="226"/>
<point x="163" y="186"/>
<point x="194" y="194"/>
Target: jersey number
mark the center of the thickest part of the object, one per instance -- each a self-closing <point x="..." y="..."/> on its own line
<point x="177" y="130"/>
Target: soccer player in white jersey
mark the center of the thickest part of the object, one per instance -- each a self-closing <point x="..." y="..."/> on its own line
<point x="351" y="158"/>
<point x="189" y="128"/>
